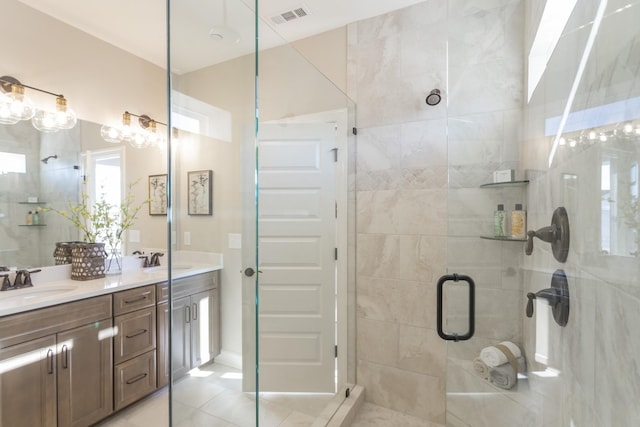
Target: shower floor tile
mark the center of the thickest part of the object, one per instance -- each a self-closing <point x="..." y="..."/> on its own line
<point x="371" y="415"/>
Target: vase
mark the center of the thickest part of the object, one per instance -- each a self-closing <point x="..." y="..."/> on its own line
<point x="113" y="260"/>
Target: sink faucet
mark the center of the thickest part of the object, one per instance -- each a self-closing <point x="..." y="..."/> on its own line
<point x="155" y="259"/>
<point x="145" y="264"/>
<point x="6" y="283"/>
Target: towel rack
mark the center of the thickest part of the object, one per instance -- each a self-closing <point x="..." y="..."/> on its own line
<point x="472" y="303"/>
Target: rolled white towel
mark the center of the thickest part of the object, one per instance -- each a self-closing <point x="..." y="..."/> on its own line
<point x="481" y="368"/>
<point x="504" y="376"/>
<point x="493" y="356"/>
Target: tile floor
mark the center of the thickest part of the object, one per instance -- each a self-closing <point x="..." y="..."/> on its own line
<point x="371" y="415"/>
<point x="212" y="397"/>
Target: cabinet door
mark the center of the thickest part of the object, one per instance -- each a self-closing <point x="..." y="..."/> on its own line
<point x="85" y="374"/>
<point x="162" y="347"/>
<point x="28" y="384"/>
<point x="215" y="323"/>
<point x="181" y="336"/>
<point x="202" y="315"/>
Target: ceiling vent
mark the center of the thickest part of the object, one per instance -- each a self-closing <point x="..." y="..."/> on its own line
<point x="290" y="15"/>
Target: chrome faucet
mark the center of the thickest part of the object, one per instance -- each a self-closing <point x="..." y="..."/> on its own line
<point x="155" y="259"/>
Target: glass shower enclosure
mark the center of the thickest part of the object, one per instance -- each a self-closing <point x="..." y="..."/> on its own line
<point x="279" y="215"/>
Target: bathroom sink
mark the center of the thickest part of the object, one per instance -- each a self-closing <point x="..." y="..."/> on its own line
<point x="21" y="296"/>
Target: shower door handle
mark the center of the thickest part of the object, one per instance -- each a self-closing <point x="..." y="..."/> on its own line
<point x="472" y="304"/>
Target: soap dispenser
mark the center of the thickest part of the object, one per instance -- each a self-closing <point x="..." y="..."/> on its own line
<point x="518" y="222"/>
<point x="499" y="222"/>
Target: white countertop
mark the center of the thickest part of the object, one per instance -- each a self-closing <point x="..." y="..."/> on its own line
<point x="58" y="290"/>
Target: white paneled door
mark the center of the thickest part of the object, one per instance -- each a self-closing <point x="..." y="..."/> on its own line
<point x="297" y="241"/>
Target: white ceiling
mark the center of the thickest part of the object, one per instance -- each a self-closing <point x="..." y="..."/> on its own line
<point x="139" y="26"/>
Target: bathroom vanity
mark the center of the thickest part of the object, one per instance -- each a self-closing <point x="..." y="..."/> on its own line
<point x="72" y="353"/>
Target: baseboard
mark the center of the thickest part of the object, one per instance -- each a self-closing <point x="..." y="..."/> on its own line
<point x="228" y="358"/>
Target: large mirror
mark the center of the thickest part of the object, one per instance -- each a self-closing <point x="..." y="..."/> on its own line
<point x="43" y="172"/>
<point x="47" y="170"/>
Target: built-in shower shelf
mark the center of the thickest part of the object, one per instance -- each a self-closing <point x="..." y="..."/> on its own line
<point x="505" y="184"/>
<point x="32" y="203"/>
<point x="505" y="239"/>
<point x="32" y="225"/>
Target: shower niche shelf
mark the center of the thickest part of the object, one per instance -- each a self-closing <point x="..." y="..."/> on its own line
<point x="520" y="183"/>
<point x="504" y="239"/>
<point x="32" y="203"/>
<point x="505" y="184"/>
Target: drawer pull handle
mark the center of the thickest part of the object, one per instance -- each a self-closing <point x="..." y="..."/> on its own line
<point x="140" y="298"/>
<point x="137" y="378"/>
<point x="140" y="332"/>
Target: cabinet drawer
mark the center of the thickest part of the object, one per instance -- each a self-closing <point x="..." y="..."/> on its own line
<point x="162" y="292"/>
<point x="133" y="299"/>
<point x="136" y="334"/>
<point x="134" y="379"/>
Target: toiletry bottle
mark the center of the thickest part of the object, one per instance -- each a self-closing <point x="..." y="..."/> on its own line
<point x="499" y="222"/>
<point x="35" y="218"/>
<point x="518" y="222"/>
<point x="29" y="218"/>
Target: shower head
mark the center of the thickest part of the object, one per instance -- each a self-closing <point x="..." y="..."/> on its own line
<point x="434" y="97"/>
<point x="46" y="159"/>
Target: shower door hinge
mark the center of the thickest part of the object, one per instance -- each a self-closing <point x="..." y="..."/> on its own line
<point x="335" y="154"/>
<point x="335" y="351"/>
<point x="354" y="131"/>
<point x="335" y="254"/>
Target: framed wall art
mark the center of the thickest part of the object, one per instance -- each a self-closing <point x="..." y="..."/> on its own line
<point x="200" y="191"/>
<point x="158" y="194"/>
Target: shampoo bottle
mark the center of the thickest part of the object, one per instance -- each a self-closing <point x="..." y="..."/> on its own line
<point x="518" y="222"/>
<point x="35" y="218"/>
<point x="499" y="222"/>
<point x="29" y="219"/>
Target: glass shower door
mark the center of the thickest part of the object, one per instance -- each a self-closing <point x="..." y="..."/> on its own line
<point x="481" y="298"/>
<point x="562" y="114"/>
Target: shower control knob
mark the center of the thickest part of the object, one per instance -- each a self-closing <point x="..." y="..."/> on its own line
<point x="249" y="272"/>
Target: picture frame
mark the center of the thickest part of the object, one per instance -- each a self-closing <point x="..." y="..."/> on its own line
<point x="158" y="194"/>
<point x="200" y="192"/>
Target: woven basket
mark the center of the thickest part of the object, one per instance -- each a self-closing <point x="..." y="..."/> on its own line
<point x="87" y="261"/>
<point x="62" y="253"/>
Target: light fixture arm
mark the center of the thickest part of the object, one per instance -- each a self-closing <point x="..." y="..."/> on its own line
<point x="7" y="81"/>
<point x="144" y="120"/>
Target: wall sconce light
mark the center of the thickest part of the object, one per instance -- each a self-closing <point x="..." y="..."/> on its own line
<point x="144" y="135"/>
<point x="15" y="107"/>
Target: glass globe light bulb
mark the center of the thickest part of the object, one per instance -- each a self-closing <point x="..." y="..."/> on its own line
<point x="138" y="140"/>
<point x="110" y="134"/>
<point x="65" y="117"/>
<point x="45" y="121"/>
<point x="21" y="107"/>
<point x="5" y="111"/>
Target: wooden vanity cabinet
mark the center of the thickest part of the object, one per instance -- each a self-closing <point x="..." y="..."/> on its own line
<point x="56" y="365"/>
<point x="196" y="324"/>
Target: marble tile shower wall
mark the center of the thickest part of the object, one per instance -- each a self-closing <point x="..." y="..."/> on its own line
<point x="596" y="354"/>
<point x="405" y="211"/>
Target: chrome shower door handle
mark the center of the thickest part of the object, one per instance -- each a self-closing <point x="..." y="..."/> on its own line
<point x="472" y="307"/>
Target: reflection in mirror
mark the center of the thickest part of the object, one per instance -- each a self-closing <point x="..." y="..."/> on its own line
<point x="619" y="199"/>
<point x="51" y="174"/>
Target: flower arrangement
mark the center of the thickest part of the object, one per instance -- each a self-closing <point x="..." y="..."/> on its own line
<point x="103" y="222"/>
